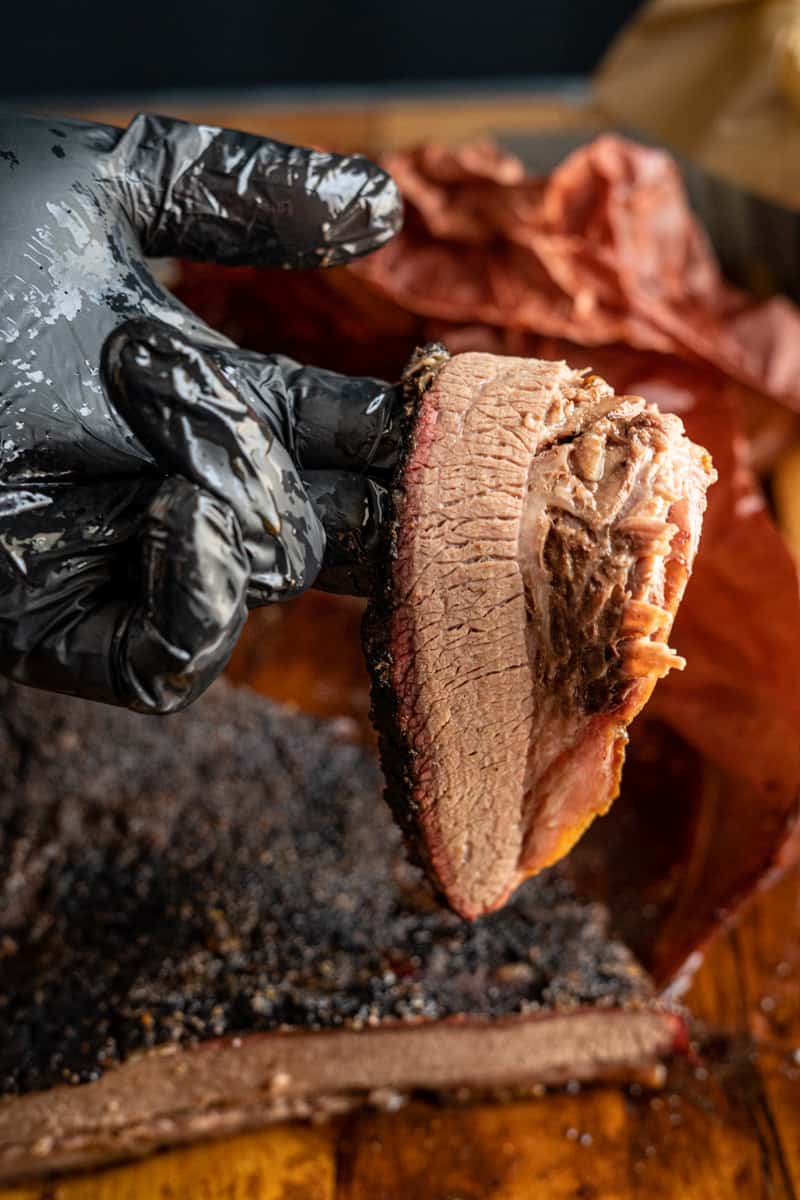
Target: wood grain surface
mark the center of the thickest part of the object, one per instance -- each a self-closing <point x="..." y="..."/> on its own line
<point x="726" y="1124"/>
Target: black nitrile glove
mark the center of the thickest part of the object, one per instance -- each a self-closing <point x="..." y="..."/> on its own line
<point x="150" y="471"/>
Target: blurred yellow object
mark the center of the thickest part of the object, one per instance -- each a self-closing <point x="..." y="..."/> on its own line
<point x="717" y="80"/>
<point x="788" y="63"/>
<point x="786" y="491"/>
<point x="274" y="1164"/>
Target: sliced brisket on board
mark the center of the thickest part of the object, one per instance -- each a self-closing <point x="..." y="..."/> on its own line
<point x="207" y="923"/>
<point x="542" y="536"/>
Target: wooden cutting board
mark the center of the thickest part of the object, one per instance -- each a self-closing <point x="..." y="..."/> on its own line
<point x="723" y="1128"/>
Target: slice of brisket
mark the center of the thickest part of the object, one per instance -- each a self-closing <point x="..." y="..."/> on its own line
<point x="543" y="533"/>
<point x="206" y="923"/>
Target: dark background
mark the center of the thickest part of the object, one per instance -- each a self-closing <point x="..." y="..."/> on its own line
<point x="76" y="47"/>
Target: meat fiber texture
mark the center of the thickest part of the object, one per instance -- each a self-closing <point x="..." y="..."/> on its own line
<point x="603" y="264"/>
<point x="543" y="534"/>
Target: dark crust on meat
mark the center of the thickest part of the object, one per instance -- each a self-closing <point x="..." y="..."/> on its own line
<point x="397" y="755"/>
<point x="233" y="870"/>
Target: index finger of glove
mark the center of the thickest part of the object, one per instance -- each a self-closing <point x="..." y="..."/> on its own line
<point x="217" y="195"/>
<point x="195" y="424"/>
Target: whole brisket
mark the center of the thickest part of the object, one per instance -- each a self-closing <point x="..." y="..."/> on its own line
<point x="207" y="923"/>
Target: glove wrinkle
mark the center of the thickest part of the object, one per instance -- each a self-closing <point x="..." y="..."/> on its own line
<point x="212" y="194"/>
<point x="194" y="570"/>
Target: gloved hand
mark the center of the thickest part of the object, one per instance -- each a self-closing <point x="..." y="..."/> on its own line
<point x="150" y="486"/>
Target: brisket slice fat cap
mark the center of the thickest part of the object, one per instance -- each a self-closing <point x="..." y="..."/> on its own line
<point x="542" y="534"/>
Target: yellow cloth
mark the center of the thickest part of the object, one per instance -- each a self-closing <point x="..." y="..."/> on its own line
<point x="718" y="80"/>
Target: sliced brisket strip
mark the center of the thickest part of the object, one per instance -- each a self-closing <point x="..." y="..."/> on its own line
<point x="207" y="923"/>
<point x="543" y="533"/>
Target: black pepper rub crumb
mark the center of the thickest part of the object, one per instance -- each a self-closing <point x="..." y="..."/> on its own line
<point x="419" y="374"/>
<point x="234" y="869"/>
